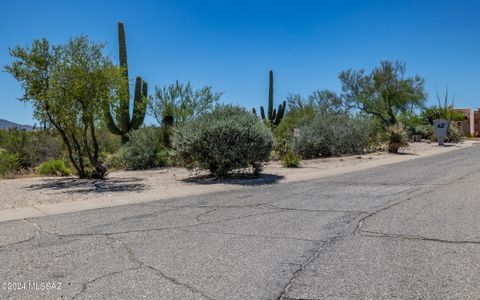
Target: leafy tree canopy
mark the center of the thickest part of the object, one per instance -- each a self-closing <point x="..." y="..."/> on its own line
<point x="384" y="93"/>
<point x="68" y="86"/>
<point x="178" y="103"/>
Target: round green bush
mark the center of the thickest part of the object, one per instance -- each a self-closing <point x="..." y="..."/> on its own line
<point x="144" y="149"/>
<point x="53" y="167"/>
<point x="227" y="139"/>
<point x="332" y="134"/>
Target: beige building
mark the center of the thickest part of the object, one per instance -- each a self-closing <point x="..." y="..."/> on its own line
<point x="471" y="125"/>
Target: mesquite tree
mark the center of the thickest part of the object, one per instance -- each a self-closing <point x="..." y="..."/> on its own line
<point x="68" y="85"/>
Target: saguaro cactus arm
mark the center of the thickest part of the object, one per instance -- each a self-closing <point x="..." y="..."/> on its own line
<point x="262" y="113"/>
<point x="139" y="103"/>
<point x="111" y="123"/>
<point x="270" y="95"/>
<point x="280" y="113"/>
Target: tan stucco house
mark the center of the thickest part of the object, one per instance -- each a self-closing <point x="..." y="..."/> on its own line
<point x="471" y="125"/>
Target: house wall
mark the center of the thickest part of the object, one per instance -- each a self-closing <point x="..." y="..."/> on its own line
<point x="467" y="126"/>
<point x="476" y="126"/>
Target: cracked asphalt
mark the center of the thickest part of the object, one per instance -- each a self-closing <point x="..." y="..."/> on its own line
<point x="404" y="231"/>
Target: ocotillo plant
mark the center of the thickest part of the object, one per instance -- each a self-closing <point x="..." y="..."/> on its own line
<point x="274" y="116"/>
<point x="125" y="124"/>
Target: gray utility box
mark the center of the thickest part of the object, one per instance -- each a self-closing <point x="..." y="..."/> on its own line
<point x="440" y="128"/>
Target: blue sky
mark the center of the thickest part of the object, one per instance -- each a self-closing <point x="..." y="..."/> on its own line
<point x="231" y="45"/>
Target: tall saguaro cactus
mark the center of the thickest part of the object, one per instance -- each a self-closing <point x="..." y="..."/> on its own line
<point x="274" y="116"/>
<point x="124" y="123"/>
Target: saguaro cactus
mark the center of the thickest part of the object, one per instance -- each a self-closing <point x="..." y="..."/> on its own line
<point x="124" y="123"/>
<point x="274" y="116"/>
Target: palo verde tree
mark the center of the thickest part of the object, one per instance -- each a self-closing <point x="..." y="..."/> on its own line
<point x="384" y="93"/>
<point x="68" y="85"/>
<point x="125" y="123"/>
<point x="178" y="103"/>
<point x="274" y="116"/>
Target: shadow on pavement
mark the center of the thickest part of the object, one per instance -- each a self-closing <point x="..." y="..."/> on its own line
<point x="240" y="179"/>
<point x="75" y="185"/>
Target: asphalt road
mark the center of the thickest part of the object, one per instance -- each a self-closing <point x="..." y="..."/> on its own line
<point x="405" y="231"/>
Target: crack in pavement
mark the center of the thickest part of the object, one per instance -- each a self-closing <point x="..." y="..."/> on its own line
<point x="205" y="213"/>
<point x="319" y="210"/>
<point x="36" y="233"/>
<point x="305" y="264"/>
<point x="388" y="206"/>
<point x="367" y="233"/>
<point x="42" y="231"/>
<point x="173" y="280"/>
<point x="250" y="235"/>
<point x="85" y="284"/>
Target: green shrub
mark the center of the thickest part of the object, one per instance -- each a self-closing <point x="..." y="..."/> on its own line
<point x="425" y="131"/>
<point x="9" y="163"/>
<point x="291" y="160"/>
<point x="332" y="134"/>
<point x="53" y="167"/>
<point x="396" y="138"/>
<point x="283" y="133"/>
<point x="453" y="135"/>
<point x="109" y="143"/>
<point x="144" y="150"/>
<point x="32" y="147"/>
<point x="115" y="161"/>
<point x="227" y="139"/>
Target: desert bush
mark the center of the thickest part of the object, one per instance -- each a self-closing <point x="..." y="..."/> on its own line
<point x="9" y="163"/>
<point x="53" y="167"/>
<point x="453" y="135"/>
<point x="396" y="138"/>
<point x="144" y="150"/>
<point x="332" y="134"/>
<point x="224" y="140"/>
<point x="109" y="143"/>
<point x="115" y="161"/>
<point x="425" y="131"/>
<point x="32" y="147"/>
<point x="283" y="133"/>
<point x="291" y="160"/>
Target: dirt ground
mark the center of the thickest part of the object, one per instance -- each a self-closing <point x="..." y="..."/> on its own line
<point x="124" y="187"/>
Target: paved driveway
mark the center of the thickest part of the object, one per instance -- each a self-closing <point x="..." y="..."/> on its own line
<point x="409" y="230"/>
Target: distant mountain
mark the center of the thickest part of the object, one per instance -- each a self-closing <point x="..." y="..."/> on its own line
<point x="7" y="124"/>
